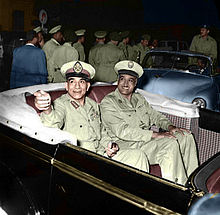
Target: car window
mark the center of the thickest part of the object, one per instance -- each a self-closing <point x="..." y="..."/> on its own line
<point x="173" y="44"/>
<point x="177" y="61"/>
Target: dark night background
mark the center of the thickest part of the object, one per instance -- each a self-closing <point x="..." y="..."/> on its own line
<point x="172" y="19"/>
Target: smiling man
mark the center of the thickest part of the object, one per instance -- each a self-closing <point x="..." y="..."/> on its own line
<point x="128" y="117"/>
<point x="79" y="115"/>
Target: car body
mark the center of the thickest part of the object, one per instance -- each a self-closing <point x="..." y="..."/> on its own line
<point x="43" y="171"/>
<point x="177" y="75"/>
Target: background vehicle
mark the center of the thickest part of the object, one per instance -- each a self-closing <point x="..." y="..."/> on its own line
<point x="185" y="76"/>
<point x="174" y="45"/>
<point x="43" y="171"/>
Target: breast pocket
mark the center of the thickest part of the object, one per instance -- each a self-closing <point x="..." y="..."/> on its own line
<point x="143" y="116"/>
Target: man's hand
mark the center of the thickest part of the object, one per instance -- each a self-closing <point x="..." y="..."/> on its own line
<point x="163" y="135"/>
<point x="112" y="149"/>
<point x="172" y="129"/>
<point x="42" y="101"/>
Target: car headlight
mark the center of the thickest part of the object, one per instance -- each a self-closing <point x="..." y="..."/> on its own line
<point x="199" y="102"/>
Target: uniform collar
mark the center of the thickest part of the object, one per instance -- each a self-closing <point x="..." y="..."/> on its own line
<point x="76" y="104"/>
<point x="55" y="41"/>
<point x="122" y="100"/>
<point x="30" y="44"/>
<point x="73" y="102"/>
<point x="207" y="38"/>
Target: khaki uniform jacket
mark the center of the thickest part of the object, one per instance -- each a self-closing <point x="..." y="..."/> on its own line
<point x="80" y="48"/>
<point x="127" y="49"/>
<point x="61" y="55"/>
<point x="140" y="48"/>
<point x="92" y="54"/>
<point x="83" y="122"/>
<point x="206" y="46"/>
<point x="49" y="48"/>
<point x="130" y="122"/>
<point x="107" y="56"/>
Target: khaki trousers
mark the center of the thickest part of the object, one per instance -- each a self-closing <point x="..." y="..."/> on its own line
<point x="176" y="157"/>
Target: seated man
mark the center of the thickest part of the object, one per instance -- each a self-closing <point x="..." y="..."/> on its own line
<point x="79" y="115"/>
<point x="128" y="117"/>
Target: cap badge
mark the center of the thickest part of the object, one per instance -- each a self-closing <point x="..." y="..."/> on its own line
<point x="77" y="67"/>
<point x="130" y="64"/>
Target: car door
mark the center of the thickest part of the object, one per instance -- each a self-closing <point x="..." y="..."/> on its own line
<point x="89" y="183"/>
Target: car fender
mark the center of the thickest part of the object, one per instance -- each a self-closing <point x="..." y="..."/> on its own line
<point x="210" y="95"/>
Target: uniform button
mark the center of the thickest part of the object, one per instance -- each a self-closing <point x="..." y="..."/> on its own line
<point x="88" y="120"/>
<point x="80" y="126"/>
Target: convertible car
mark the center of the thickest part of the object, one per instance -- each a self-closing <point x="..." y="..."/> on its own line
<point x="185" y="76"/>
<point x="43" y="171"/>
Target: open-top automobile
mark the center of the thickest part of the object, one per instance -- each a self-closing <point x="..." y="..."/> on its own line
<point x="44" y="171"/>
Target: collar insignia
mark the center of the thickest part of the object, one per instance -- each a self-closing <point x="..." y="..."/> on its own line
<point x="130" y="64"/>
<point x="77" y="67"/>
<point x="74" y="104"/>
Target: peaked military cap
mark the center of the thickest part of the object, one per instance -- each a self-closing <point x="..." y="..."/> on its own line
<point x="80" y="32"/>
<point x="124" y="34"/>
<point x="129" y="67"/>
<point x="55" y="29"/>
<point x="100" y="34"/>
<point x="78" y="69"/>
<point x="145" y="37"/>
<point x="205" y="26"/>
<point x="114" y="36"/>
<point x="37" y="29"/>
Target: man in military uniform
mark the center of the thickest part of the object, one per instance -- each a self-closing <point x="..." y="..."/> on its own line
<point x="125" y="46"/>
<point x="107" y="56"/>
<point x="128" y="117"/>
<point x="40" y="36"/>
<point x="204" y="43"/>
<point x="61" y="55"/>
<point x="141" y="48"/>
<point x="55" y="41"/>
<point x="79" y="44"/>
<point x="79" y="115"/>
<point x="100" y="41"/>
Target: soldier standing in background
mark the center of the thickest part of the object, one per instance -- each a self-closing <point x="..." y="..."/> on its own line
<point x="39" y="33"/>
<point x="107" y="56"/>
<point x="61" y="55"/>
<point x="141" y="48"/>
<point x="100" y="41"/>
<point x="204" y="43"/>
<point x="56" y="40"/>
<point x="79" y="44"/>
<point x="124" y="45"/>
